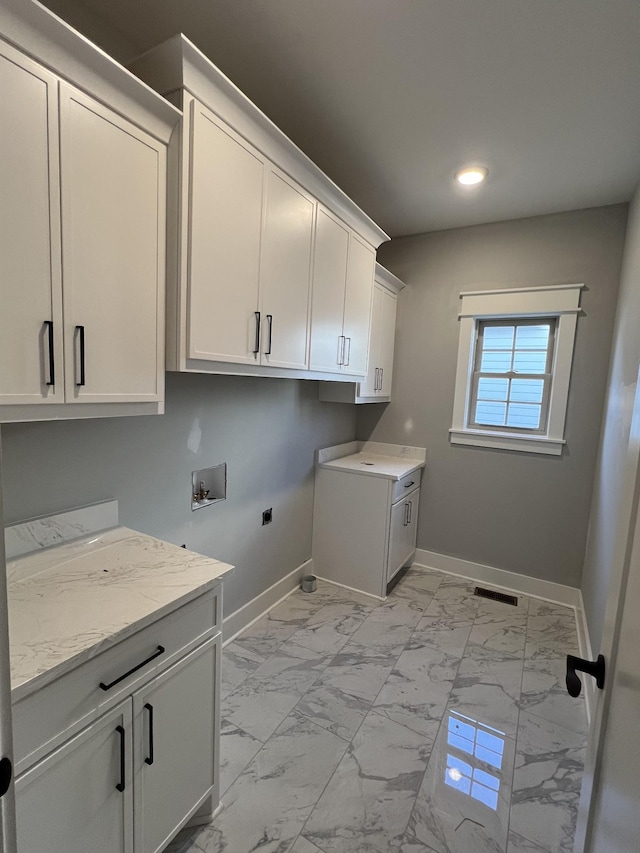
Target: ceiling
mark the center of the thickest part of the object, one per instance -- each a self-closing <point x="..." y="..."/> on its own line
<point x="390" y="97"/>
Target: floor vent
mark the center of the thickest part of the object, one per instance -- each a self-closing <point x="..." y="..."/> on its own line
<point x="496" y="596"/>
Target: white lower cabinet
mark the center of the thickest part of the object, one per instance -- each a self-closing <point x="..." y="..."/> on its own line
<point x="80" y="798"/>
<point x="174" y="746"/>
<point x="402" y="532"/>
<point x="364" y="527"/>
<point x="136" y="774"/>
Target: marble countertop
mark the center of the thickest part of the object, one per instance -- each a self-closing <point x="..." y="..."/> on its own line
<point x="373" y="459"/>
<point x="70" y="602"/>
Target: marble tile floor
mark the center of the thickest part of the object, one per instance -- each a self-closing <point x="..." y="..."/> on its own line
<point x="432" y="722"/>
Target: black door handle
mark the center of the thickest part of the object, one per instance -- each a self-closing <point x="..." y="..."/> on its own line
<point x="120" y="785"/>
<point x="256" y="348"/>
<point x="6" y="771"/>
<point x="270" y="319"/>
<point x="52" y="365"/>
<point x="80" y="331"/>
<point x="149" y="759"/>
<point x="595" y="668"/>
<point x="159" y="651"/>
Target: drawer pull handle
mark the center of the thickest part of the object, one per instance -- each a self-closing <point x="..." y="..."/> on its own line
<point x="149" y="759"/>
<point x="121" y="732"/>
<point x="270" y="321"/>
<point x="160" y="651"/>
<point x="408" y="485"/>
<point x="256" y="347"/>
<point x="83" y="378"/>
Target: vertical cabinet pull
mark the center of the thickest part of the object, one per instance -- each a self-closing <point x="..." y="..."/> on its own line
<point x="80" y="331"/>
<point x="52" y="367"/>
<point x="340" y="358"/>
<point x="270" y="321"/>
<point x="410" y="512"/>
<point x="375" y="381"/>
<point x="381" y="378"/>
<point x="149" y="759"/>
<point x="406" y="515"/>
<point x="120" y="786"/>
<point x="348" y="352"/>
<point x="256" y="346"/>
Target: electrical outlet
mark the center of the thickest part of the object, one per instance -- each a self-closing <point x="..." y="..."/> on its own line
<point x="267" y="516"/>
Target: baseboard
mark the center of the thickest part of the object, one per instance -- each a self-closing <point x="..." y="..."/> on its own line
<point x="235" y="623"/>
<point x="512" y="581"/>
<point x="586" y="651"/>
<point x="351" y="588"/>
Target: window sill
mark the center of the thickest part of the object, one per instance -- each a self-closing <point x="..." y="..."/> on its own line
<point x="508" y="441"/>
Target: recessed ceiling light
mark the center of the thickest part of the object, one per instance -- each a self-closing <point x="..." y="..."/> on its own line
<point x="471" y="175"/>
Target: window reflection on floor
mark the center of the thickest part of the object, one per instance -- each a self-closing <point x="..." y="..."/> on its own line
<point x="479" y="743"/>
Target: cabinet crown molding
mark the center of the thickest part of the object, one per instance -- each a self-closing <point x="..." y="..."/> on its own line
<point x="177" y="64"/>
<point x="49" y="40"/>
<point x="388" y="279"/>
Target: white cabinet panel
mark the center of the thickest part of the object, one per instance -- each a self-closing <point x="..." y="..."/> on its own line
<point x="369" y="388"/>
<point x="286" y="272"/>
<point x="225" y="216"/>
<point x="329" y="283"/>
<point x="30" y="287"/>
<point x="69" y="802"/>
<point x="112" y="192"/>
<point x="357" y="305"/>
<point x="402" y="535"/>
<point x="386" y="340"/>
<point x="175" y="724"/>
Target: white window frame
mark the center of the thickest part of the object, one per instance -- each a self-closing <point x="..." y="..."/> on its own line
<point x="560" y="301"/>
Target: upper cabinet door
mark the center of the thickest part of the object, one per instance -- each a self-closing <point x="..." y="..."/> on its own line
<point x="31" y="352"/>
<point x="387" y="337"/>
<point x="286" y="272"/>
<point x="329" y="281"/>
<point x="370" y="386"/>
<point x="113" y="198"/>
<point x="357" y="306"/>
<point x="225" y="218"/>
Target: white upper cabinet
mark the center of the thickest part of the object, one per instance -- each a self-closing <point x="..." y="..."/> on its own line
<point x="329" y="285"/>
<point x="271" y="265"/>
<point x="357" y="306"/>
<point x="286" y="273"/>
<point x="82" y="226"/>
<point x="112" y="192"/>
<point x="376" y="387"/>
<point x="30" y="284"/>
<point x="226" y="200"/>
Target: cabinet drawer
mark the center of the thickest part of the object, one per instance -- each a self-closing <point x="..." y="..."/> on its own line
<point x="43" y="719"/>
<point x="405" y="485"/>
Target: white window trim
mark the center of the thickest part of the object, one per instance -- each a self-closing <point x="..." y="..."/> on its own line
<point x="561" y="301"/>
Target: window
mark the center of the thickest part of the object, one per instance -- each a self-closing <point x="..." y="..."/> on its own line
<point x="514" y="364"/>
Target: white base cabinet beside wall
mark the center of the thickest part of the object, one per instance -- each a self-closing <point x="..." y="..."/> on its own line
<point x="365" y="514"/>
<point x="376" y="388"/>
<point x="119" y="751"/>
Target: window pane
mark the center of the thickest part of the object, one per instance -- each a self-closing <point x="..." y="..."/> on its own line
<point x="530" y="362"/>
<point x="498" y="337"/>
<point x="532" y="337"/>
<point x="496" y="362"/>
<point x="494" y="389"/>
<point x="525" y="390"/>
<point x="523" y="416"/>
<point x="485" y="795"/>
<point x="491" y="413"/>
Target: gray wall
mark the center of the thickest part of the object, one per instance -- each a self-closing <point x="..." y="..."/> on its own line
<point x="522" y="512"/>
<point x="265" y="429"/>
<point x="606" y="507"/>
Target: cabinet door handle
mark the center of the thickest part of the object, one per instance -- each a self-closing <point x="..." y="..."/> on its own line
<point x="340" y="356"/>
<point x="375" y="381"/>
<point x="270" y="321"/>
<point x="121" y="784"/>
<point x="149" y="759"/>
<point x="80" y="331"/>
<point x="256" y="347"/>
<point x="408" y="485"/>
<point x="381" y="378"/>
<point x="348" y="358"/>
<point x="52" y="367"/>
<point x="159" y="651"/>
<point x="410" y="511"/>
<point x="406" y="515"/>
